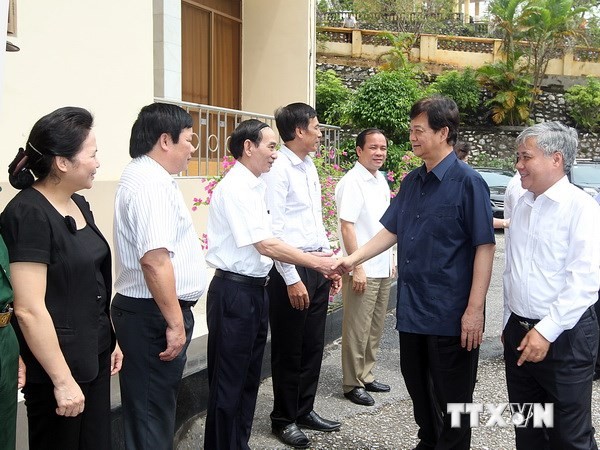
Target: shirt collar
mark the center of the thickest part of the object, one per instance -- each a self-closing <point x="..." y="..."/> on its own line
<point x="365" y="174"/>
<point x="294" y="159"/>
<point x="153" y="165"/>
<point x="558" y="192"/>
<point x="442" y="167"/>
<point x="246" y="174"/>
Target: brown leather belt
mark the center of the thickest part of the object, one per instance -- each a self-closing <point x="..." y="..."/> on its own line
<point x="5" y="317"/>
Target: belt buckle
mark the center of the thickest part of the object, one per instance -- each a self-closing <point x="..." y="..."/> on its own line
<point x="526" y="325"/>
<point x="5" y="317"/>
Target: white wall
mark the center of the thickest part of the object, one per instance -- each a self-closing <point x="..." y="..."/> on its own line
<point x="88" y="53"/>
<point x="278" y="53"/>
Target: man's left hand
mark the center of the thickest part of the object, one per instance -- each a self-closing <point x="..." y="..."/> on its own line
<point x="534" y="347"/>
<point x="471" y="334"/>
<point x="336" y="286"/>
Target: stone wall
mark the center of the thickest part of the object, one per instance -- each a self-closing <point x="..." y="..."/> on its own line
<point x="496" y="142"/>
<point x="499" y="143"/>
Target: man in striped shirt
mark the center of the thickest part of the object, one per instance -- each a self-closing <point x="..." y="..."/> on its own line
<point x="160" y="274"/>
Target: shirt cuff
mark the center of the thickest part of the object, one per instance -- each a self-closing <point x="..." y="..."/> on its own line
<point x="288" y="273"/>
<point x="547" y="328"/>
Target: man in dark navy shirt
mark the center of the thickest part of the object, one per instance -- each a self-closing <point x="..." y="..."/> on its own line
<point x="442" y="223"/>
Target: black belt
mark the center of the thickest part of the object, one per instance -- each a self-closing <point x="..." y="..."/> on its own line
<point x="187" y="304"/>
<point x="320" y="249"/>
<point x="526" y="324"/>
<point x="243" y="279"/>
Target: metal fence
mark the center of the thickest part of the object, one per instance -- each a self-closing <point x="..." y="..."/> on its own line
<point x="213" y="127"/>
<point x="416" y="22"/>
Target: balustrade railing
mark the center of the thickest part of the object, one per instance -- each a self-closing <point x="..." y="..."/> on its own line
<point x="213" y="127"/>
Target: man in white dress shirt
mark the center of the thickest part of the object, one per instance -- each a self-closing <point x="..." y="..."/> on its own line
<point x="241" y="246"/>
<point x="362" y="196"/>
<point x="298" y="294"/>
<point x="160" y="274"/>
<point x="550" y="286"/>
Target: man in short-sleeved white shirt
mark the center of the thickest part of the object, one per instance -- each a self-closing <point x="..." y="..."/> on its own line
<point x="160" y="274"/>
<point x="241" y="247"/>
<point x="362" y="196"/>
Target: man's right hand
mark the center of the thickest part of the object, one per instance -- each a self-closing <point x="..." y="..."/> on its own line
<point x="325" y="263"/>
<point x="70" y="401"/>
<point x="175" y="342"/>
<point x="298" y="295"/>
<point x="343" y="265"/>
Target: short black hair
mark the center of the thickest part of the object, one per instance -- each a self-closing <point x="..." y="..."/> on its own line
<point x="362" y="136"/>
<point x="248" y="129"/>
<point x="292" y="116"/>
<point x="154" y="120"/>
<point x="441" y="112"/>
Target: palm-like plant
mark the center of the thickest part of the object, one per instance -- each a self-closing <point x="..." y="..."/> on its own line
<point x="398" y="57"/>
<point x="550" y="27"/>
<point x="511" y="91"/>
<point x="506" y="16"/>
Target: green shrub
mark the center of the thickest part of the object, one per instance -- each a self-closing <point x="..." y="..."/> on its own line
<point x="384" y="101"/>
<point x="462" y="87"/>
<point x="583" y="103"/>
<point x="331" y="96"/>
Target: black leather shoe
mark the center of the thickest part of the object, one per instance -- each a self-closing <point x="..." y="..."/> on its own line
<point x="359" y="396"/>
<point x="376" y="386"/>
<point x="315" y="422"/>
<point x="291" y="435"/>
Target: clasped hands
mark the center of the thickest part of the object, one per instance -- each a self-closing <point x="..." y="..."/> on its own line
<point x="333" y="268"/>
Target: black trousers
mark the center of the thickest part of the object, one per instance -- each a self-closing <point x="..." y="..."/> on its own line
<point x="563" y="378"/>
<point x="149" y="386"/>
<point x="89" y="430"/>
<point x="297" y="341"/>
<point x="438" y="371"/>
<point x="237" y="318"/>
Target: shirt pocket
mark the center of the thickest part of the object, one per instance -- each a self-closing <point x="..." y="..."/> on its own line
<point x="551" y="248"/>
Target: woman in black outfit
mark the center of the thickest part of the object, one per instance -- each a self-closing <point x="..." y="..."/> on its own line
<point x="61" y="275"/>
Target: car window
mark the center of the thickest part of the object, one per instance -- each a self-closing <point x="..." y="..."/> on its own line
<point x="586" y="173"/>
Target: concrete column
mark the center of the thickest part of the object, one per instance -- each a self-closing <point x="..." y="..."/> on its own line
<point x="498" y="54"/>
<point x="428" y="47"/>
<point x="567" y="63"/>
<point x="167" y="49"/>
<point x="356" y="43"/>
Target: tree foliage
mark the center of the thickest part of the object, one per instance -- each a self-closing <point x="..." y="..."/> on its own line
<point x="462" y="87"/>
<point x="331" y="95"/>
<point x="550" y="27"/>
<point x="583" y="103"/>
<point x="384" y="101"/>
